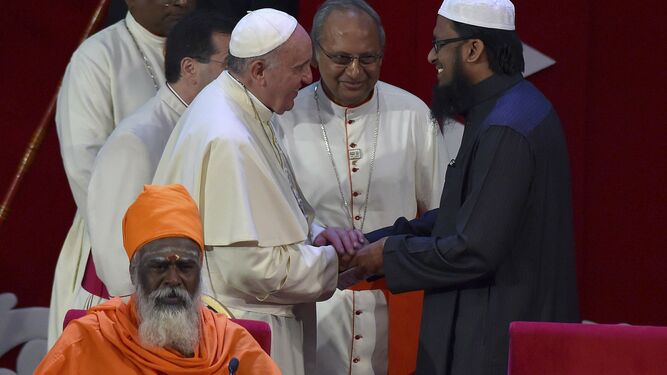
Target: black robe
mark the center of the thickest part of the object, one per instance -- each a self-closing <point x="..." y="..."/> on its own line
<point x="500" y="247"/>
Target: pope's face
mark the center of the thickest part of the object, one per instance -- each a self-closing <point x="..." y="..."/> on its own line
<point x="169" y="264"/>
<point x="446" y="57"/>
<point x="345" y="34"/>
<point x="159" y="16"/>
<point x="288" y="72"/>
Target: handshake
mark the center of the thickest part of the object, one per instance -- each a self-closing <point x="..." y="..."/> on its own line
<point x="356" y="256"/>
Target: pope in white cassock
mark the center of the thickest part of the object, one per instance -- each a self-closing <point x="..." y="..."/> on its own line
<point x="195" y="54"/>
<point x="108" y="77"/>
<point x="257" y="225"/>
<point x="363" y="152"/>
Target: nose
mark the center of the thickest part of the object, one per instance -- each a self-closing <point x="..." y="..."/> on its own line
<point x="432" y="57"/>
<point x="172" y="278"/>
<point x="308" y="76"/>
<point x="354" y="68"/>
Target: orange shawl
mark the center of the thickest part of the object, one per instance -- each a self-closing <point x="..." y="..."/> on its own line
<point x="107" y="339"/>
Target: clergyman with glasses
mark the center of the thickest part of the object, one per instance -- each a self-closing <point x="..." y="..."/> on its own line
<point x="364" y="152"/>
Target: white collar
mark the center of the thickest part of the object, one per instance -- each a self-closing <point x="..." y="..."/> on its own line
<point x="142" y="34"/>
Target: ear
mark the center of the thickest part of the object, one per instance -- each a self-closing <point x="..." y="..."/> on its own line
<point x="474" y="51"/>
<point x="188" y="68"/>
<point x="132" y="271"/>
<point x="257" y="69"/>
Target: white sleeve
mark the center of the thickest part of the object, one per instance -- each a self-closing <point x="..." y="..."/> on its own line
<point x="84" y="119"/>
<point x="430" y="165"/>
<point x="289" y="274"/>
<point x="120" y="172"/>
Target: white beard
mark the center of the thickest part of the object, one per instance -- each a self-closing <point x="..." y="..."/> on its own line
<point x="172" y="326"/>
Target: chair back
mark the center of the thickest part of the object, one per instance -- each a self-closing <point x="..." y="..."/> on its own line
<point x="584" y="349"/>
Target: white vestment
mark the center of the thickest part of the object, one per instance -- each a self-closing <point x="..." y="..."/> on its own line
<point x="105" y="81"/>
<point x="125" y="163"/>
<point x="407" y="179"/>
<point x="256" y="223"/>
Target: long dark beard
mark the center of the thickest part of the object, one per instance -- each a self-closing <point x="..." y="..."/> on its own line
<point x="453" y="98"/>
<point x="165" y="325"/>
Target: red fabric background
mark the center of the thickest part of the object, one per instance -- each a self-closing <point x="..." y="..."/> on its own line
<point x="608" y="85"/>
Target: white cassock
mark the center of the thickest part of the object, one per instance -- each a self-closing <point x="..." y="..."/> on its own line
<point x="105" y="81"/>
<point x="261" y="265"/>
<point x="125" y="163"/>
<point x="407" y="173"/>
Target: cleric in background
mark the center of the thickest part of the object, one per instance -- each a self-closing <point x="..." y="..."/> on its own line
<point x="164" y="329"/>
<point x="500" y="247"/>
<point x="109" y="76"/>
<point x="195" y="55"/>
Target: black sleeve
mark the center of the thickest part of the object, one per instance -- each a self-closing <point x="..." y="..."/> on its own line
<point x="420" y="226"/>
<point x="499" y="181"/>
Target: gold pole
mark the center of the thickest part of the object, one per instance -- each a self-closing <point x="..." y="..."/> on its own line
<point x="39" y="133"/>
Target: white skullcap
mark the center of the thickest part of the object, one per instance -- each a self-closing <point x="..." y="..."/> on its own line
<point x="493" y="14"/>
<point x="261" y="31"/>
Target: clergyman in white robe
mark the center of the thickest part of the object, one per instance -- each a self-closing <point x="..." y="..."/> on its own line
<point x="406" y="159"/>
<point x="125" y="163"/>
<point x="257" y="227"/>
<point x="105" y="81"/>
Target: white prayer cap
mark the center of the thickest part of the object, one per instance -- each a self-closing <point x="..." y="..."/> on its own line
<point x="261" y="31"/>
<point x="493" y="14"/>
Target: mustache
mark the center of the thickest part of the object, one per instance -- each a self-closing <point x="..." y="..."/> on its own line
<point x="160" y="294"/>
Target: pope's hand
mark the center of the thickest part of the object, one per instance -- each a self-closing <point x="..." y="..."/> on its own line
<point x="345" y="241"/>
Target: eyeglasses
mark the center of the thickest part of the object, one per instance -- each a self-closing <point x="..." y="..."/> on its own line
<point x="172" y="2"/>
<point x="218" y="61"/>
<point x="345" y="60"/>
<point x="437" y="44"/>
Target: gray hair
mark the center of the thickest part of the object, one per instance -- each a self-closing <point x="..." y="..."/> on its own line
<point x="239" y="65"/>
<point x="358" y="5"/>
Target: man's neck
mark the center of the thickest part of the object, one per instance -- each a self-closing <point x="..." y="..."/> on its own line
<point x="184" y="91"/>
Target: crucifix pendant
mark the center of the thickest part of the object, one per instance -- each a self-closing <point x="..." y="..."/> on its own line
<point x="354" y="154"/>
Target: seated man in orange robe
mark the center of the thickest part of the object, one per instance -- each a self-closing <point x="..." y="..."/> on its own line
<point x="163" y="329"/>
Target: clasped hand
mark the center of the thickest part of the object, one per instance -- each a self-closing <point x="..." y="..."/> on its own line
<point x="354" y="250"/>
<point x="346" y="242"/>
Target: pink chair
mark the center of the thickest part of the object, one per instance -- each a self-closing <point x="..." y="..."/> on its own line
<point x="260" y="331"/>
<point x="584" y="349"/>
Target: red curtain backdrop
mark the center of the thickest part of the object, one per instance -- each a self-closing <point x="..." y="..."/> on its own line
<point x="608" y="86"/>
